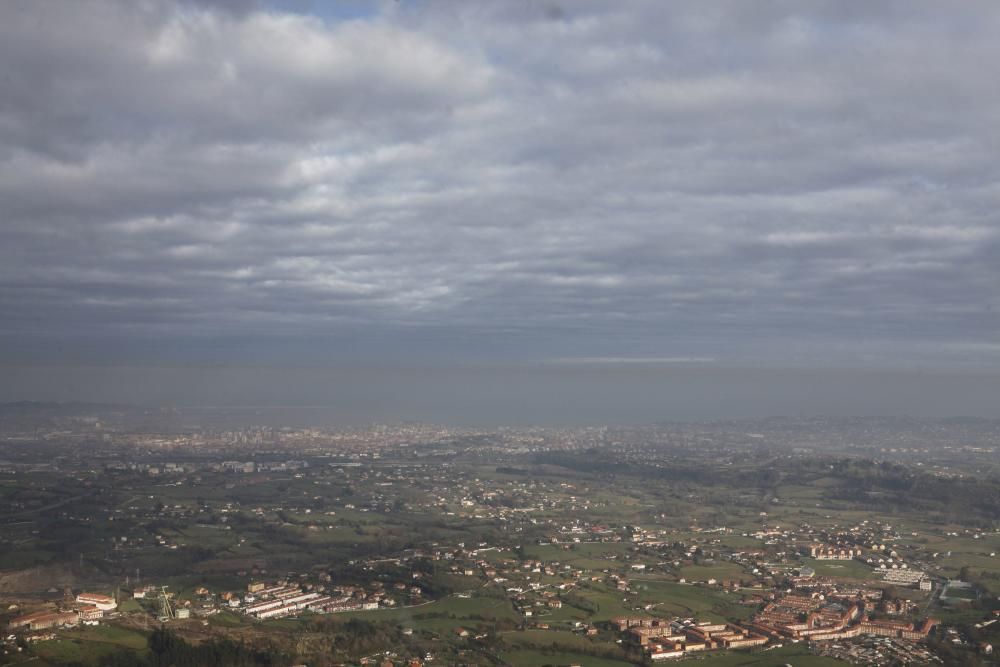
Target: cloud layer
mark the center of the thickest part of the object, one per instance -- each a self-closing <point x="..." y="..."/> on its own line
<point x="806" y="182"/>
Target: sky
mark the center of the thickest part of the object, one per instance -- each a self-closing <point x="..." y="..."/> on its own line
<point x="541" y="211"/>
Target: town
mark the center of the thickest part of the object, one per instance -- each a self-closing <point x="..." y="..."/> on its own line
<point x="416" y="544"/>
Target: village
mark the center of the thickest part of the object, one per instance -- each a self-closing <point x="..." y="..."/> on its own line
<point x="483" y="549"/>
<point x="818" y="610"/>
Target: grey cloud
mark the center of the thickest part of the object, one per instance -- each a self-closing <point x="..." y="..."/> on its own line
<point x="679" y="179"/>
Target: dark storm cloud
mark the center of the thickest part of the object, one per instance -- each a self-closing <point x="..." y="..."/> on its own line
<point x="804" y="182"/>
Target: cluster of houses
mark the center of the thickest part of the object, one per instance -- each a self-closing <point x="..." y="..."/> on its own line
<point x="885" y="561"/>
<point x="819" y="617"/>
<point x="662" y="639"/>
<point x="263" y="601"/>
<point x="177" y="468"/>
<point x="86" y="608"/>
<point x="829" y="552"/>
<point x="906" y="577"/>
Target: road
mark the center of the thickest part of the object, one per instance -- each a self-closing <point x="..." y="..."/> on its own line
<point x="51" y="506"/>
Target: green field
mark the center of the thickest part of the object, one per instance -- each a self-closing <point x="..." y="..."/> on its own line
<point x="796" y="655"/>
<point x="718" y="571"/>
<point x="88" y="644"/>
<point x="554" y="647"/>
<point x="541" y="658"/>
<point x="442" y="616"/>
<point x="847" y="569"/>
<point x="685" y="600"/>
